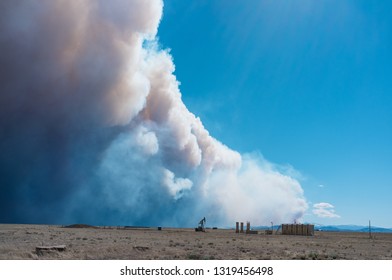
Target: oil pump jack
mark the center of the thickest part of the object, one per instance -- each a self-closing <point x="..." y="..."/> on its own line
<point x="201" y="225"/>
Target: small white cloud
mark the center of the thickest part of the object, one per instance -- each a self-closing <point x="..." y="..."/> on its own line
<point x="324" y="210"/>
<point x="321" y="186"/>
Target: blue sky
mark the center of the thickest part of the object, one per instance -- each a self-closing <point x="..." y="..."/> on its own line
<point x="305" y="83"/>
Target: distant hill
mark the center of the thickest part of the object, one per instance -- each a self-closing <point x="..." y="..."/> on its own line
<point x="354" y="228"/>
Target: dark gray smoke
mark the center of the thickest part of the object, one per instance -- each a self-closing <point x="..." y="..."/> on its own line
<point x="93" y="128"/>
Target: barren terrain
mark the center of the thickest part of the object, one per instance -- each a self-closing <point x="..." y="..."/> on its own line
<point x="20" y="242"/>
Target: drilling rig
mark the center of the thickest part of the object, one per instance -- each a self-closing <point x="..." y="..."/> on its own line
<point x="201" y="226"/>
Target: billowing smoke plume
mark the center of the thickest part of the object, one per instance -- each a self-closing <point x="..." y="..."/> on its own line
<point x="93" y="128"/>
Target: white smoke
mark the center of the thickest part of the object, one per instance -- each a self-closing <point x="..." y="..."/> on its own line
<point x="130" y="149"/>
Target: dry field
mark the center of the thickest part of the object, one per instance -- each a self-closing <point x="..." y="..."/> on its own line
<point x="20" y="242"/>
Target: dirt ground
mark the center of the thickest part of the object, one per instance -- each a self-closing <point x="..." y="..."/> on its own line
<point x="20" y="242"/>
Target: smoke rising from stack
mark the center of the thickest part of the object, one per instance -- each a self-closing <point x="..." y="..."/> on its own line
<point x="93" y="128"/>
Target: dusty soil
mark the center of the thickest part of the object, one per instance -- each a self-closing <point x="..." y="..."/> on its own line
<point x="20" y="242"/>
